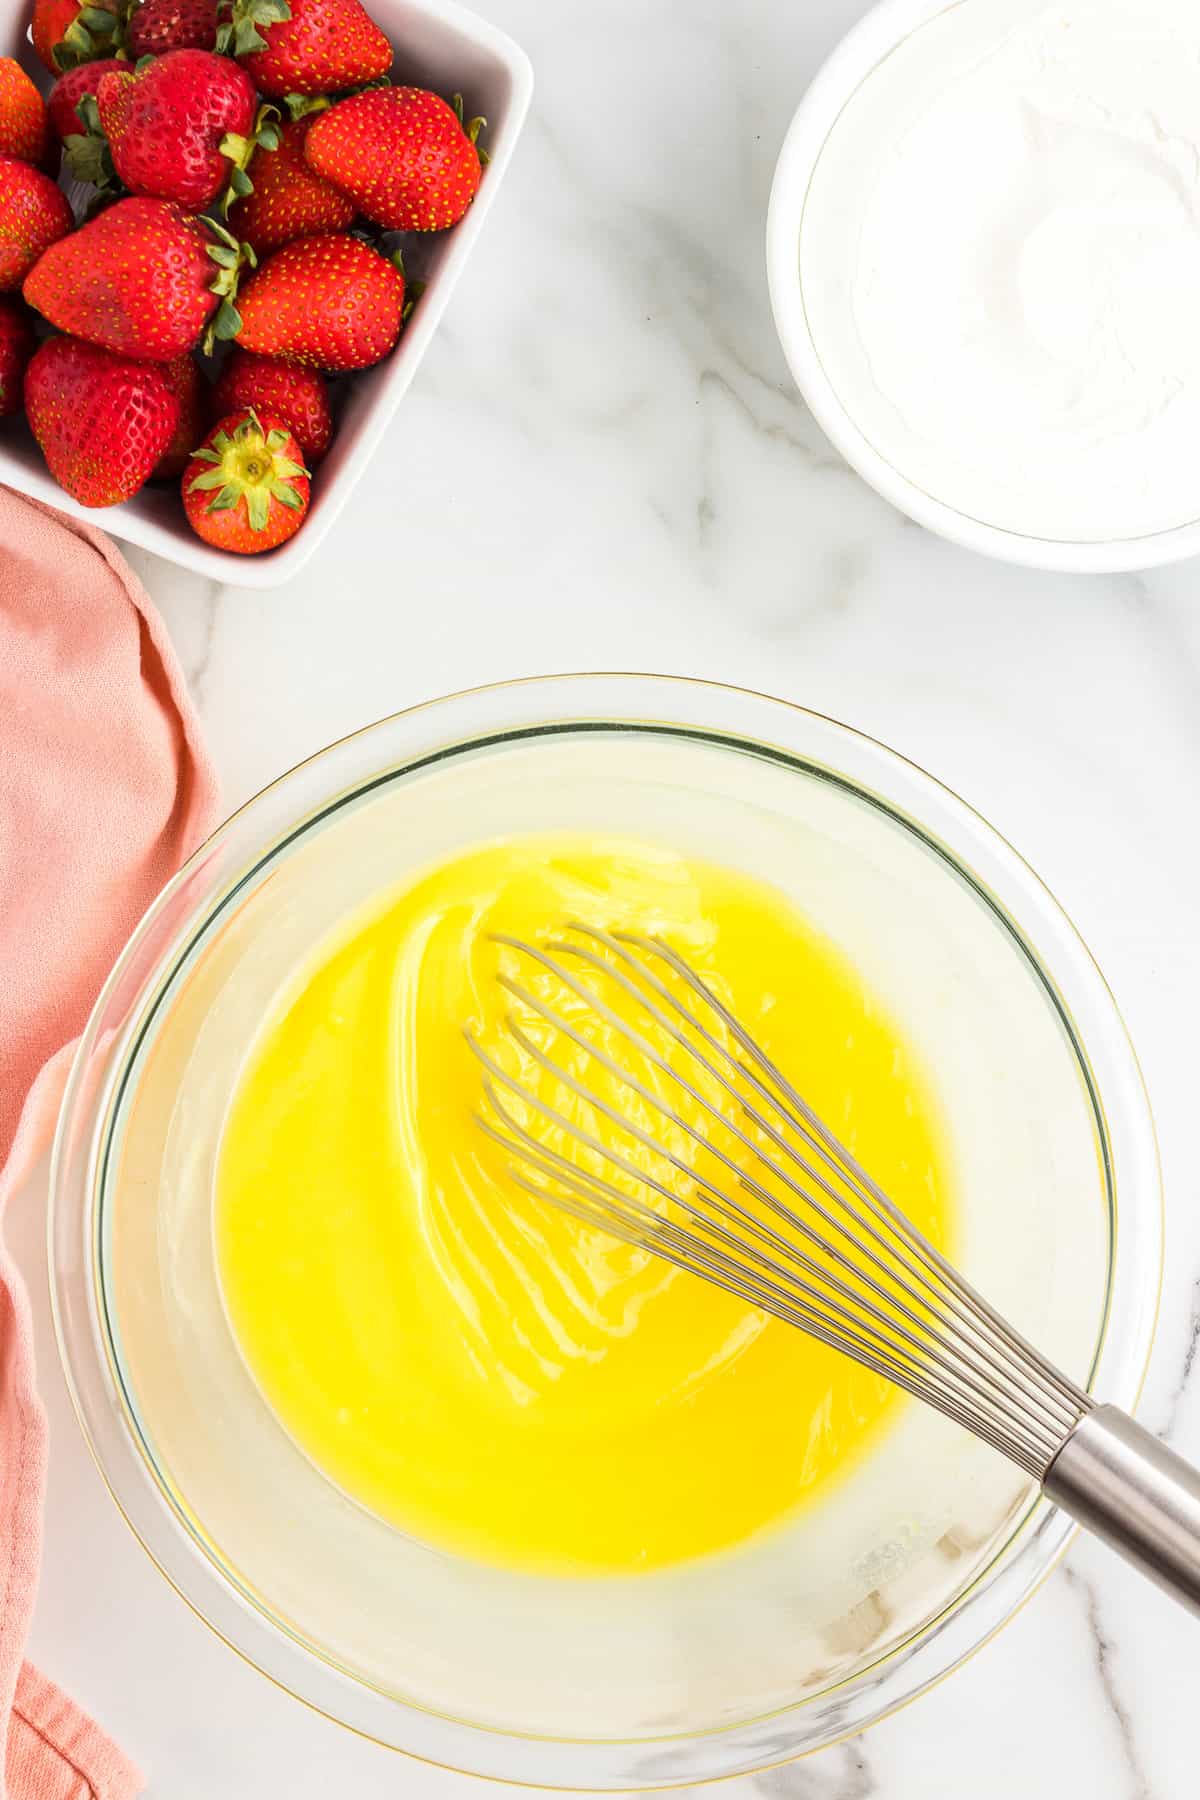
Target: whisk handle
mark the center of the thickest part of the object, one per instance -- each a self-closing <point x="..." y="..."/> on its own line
<point x="1120" y="1482"/>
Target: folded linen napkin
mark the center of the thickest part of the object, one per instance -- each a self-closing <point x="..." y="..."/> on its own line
<point x="105" y="788"/>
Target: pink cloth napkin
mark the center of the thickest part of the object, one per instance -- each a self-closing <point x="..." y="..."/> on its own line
<point x="104" y="790"/>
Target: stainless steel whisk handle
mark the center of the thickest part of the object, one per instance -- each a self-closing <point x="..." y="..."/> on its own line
<point x="1123" y="1485"/>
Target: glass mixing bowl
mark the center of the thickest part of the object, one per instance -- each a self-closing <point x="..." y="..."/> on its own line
<point x="800" y="1637"/>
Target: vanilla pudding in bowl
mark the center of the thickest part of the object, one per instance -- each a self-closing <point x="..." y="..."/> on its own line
<point x="476" y="1485"/>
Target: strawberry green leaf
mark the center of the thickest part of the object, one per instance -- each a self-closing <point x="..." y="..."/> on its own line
<point x="246" y="37"/>
<point x="87" y="154"/>
<point x="239" y="150"/>
<point x="248" y="15"/>
<point x="224" y="236"/>
<point x="412" y="293"/>
<point x="266" y="127"/>
<point x="92" y="32"/>
<point x="89" y="159"/>
<point x="258" y="507"/>
<point x="229" y="256"/>
<point x="472" y="127"/>
<point x="301" y="105"/>
<point x="228" y="321"/>
<point x="212" y="478"/>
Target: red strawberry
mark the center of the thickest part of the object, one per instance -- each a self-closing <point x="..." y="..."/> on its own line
<point x="68" y="32"/>
<point x="185" y="382"/>
<point x="331" y="302"/>
<point x="402" y="153"/>
<point x="70" y="89"/>
<point x="306" y="46"/>
<point x="159" y="25"/>
<point x="16" y="348"/>
<point x="142" y="278"/>
<point x="33" y="215"/>
<point x="23" y="130"/>
<point x="289" y="199"/>
<point x="246" y="487"/>
<point x="102" y="421"/>
<point x="285" y="390"/>
<point x="176" y="125"/>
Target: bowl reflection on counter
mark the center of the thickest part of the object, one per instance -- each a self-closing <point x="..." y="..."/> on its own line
<point x="800" y="1637"/>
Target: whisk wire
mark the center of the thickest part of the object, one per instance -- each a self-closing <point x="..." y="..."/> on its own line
<point x="956" y="1283"/>
<point x="880" y="1292"/>
<point x="597" y="1202"/>
<point x="638" y="1232"/>
<point x="939" y="1301"/>
<point x="959" y="1293"/>
<point x="979" y="1379"/>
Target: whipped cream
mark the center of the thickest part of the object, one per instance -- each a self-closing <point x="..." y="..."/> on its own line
<point x="1000" y="261"/>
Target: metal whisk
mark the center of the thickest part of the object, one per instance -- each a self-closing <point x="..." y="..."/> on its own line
<point x="762" y="1200"/>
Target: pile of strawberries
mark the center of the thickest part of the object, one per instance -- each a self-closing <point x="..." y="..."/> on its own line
<point x="249" y="159"/>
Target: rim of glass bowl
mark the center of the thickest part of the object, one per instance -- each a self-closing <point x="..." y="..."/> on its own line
<point x="852" y="61"/>
<point x="238" y="853"/>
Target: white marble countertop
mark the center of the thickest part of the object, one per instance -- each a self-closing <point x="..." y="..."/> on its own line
<point x="603" y="464"/>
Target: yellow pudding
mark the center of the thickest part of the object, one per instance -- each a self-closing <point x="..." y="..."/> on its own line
<point x="484" y="1372"/>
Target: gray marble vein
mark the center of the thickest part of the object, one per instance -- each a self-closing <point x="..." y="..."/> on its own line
<point x="1182" y="1387"/>
<point x="843" y="1773"/>
<point x="1118" y="1706"/>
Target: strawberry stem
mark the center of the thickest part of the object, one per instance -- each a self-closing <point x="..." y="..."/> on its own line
<point x="238" y="150"/>
<point x="230" y="257"/>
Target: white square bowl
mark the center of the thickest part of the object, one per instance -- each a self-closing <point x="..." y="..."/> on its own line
<point x="438" y="45"/>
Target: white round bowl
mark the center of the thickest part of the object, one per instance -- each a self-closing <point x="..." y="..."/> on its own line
<point x="855" y="58"/>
